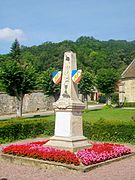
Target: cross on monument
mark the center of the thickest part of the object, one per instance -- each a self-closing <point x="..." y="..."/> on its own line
<point x="68" y="108"/>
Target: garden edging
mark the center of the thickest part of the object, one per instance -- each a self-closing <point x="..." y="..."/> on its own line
<point x="47" y="164"/>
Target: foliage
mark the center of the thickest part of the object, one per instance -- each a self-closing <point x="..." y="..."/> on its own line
<point x="16" y="76"/>
<point x="133" y="118"/>
<point x="115" y="98"/>
<point x="103" y="130"/>
<point x="16" y="51"/>
<point x="48" y="54"/>
<point x="129" y="104"/>
<point x="17" y="79"/>
<point x="12" y="130"/>
<point x="48" y="86"/>
<point x="91" y="54"/>
<point x="106" y="80"/>
<point x="1" y="86"/>
<point x="87" y="84"/>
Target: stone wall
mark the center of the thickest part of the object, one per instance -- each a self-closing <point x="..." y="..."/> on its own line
<point x="127" y="90"/>
<point x="33" y="102"/>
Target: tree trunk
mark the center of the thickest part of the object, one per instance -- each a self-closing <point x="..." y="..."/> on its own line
<point x="86" y="101"/>
<point x="19" y="106"/>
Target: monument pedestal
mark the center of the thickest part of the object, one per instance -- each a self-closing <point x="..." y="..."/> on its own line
<point x="69" y="129"/>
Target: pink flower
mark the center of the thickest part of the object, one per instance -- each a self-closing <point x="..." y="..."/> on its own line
<point x="101" y="152"/>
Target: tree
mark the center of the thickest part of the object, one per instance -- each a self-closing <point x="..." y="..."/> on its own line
<point x="91" y="53"/>
<point x="106" y="80"/>
<point x="17" y="77"/>
<point x="86" y="85"/>
<point x="16" y="51"/>
<point x="46" y="83"/>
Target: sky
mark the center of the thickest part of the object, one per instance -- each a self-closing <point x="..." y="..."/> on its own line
<point x="34" y="22"/>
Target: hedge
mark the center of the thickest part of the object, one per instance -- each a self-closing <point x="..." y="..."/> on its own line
<point x="112" y="132"/>
<point x="22" y="129"/>
<point x="100" y="130"/>
<point x="129" y="104"/>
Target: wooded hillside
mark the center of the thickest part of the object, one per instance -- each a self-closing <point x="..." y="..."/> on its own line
<point x="92" y="54"/>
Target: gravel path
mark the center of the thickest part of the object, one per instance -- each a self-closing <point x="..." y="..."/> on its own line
<point x="120" y="170"/>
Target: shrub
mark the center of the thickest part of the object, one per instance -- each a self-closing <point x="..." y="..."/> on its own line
<point x="115" y="98"/>
<point x="20" y="129"/>
<point x="107" y="131"/>
<point x="100" y="130"/>
<point x="129" y="104"/>
<point x="133" y="118"/>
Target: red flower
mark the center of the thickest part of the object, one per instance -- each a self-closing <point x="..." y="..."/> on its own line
<point x="36" y="150"/>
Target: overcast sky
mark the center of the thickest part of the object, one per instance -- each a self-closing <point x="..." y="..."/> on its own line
<point x="36" y="21"/>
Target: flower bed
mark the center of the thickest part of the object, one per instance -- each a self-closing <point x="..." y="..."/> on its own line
<point x="101" y="152"/>
<point x="36" y="150"/>
<point x="98" y="152"/>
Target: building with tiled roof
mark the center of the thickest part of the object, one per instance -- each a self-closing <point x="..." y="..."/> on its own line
<point x="127" y="85"/>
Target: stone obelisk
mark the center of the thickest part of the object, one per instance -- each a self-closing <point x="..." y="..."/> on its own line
<point x="68" y="108"/>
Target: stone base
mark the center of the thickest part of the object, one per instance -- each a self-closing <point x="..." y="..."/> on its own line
<point x="68" y="143"/>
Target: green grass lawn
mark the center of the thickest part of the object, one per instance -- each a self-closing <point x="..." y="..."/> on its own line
<point x="110" y="114"/>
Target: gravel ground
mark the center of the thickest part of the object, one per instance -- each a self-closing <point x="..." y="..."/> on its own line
<point x="120" y="170"/>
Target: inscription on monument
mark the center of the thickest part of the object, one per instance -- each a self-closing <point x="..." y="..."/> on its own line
<point x="66" y="77"/>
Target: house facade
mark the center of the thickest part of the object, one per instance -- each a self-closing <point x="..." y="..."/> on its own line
<point x="127" y="84"/>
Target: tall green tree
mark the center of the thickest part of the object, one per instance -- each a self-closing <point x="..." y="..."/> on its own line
<point x="45" y="82"/>
<point x="17" y="77"/>
<point x="16" y="51"/>
<point x="86" y="85"/>
<point x="106" y="82"/>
